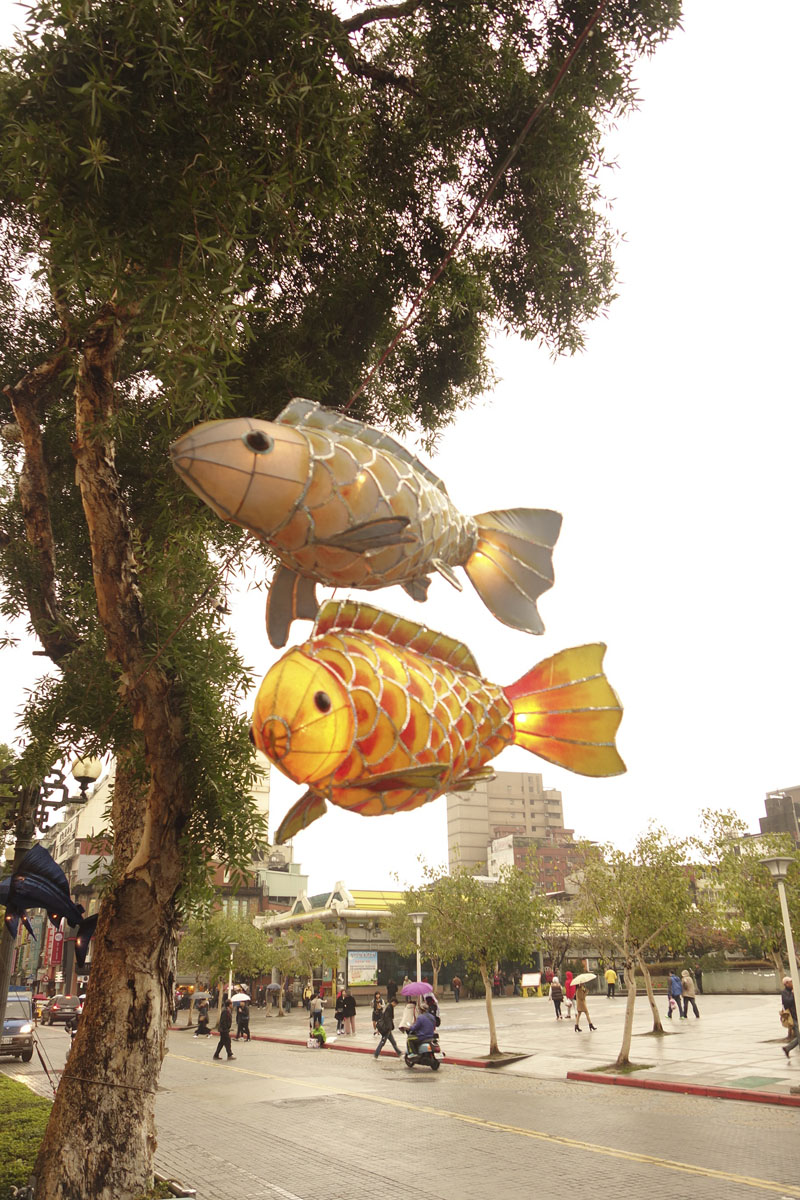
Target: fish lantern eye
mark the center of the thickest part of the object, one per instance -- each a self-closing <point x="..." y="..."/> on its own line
<point x="257" y="441"/>
<point x="322" y="701"/>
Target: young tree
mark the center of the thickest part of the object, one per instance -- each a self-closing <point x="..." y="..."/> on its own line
<point x="632" y="902"/>
<point x="314" y="945"/>
<point x="205" y="949"/>
<point x="558" y="933"/>
<point x="435" y="945"/>
<point x="205" y="210"/>
<point x="744" y="898"/>
<point x="484" y="923"/>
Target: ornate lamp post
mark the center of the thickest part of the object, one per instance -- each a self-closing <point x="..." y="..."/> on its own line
<point x="778" y="868"/>
<point x="28" y="809"/>
<point x="418" y="918"/>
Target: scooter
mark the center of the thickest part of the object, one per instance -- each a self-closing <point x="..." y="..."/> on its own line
<point x="427" y="1054"/>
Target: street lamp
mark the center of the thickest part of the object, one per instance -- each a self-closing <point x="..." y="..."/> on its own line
<point x="778" y="867"/>
<point x="418" y="918"/>
<point x="233" y="946"/>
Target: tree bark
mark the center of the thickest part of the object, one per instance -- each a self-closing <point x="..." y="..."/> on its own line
<point x="623" y="1058"/>
<point x="101" y="1138"/>
<point x="648" y="983"/>
<point x="493" y="1047"/>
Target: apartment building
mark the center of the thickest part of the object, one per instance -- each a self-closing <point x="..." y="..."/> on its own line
<point x="513" y="803"/>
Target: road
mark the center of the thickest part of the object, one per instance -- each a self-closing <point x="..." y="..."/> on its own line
<point x="288" y="1123"/>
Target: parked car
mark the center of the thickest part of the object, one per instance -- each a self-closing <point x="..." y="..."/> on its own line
<point x="17" y="1036"/>
<point x="61" y="1008"/>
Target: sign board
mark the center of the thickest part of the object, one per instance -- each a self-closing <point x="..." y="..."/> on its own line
<point x="362" y="968"/>
<point x="532" y="980"/>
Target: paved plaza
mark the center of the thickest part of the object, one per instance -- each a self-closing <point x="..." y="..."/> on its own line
<point x="283" y="1122"/>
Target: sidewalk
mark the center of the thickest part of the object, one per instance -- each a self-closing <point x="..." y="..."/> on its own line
<point x="733" y="1051"/>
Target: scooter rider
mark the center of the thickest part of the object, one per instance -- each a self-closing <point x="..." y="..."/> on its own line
<point x="423" y="1029"/>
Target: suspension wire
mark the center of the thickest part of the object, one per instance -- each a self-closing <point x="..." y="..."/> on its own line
<point x="481" y="204"/>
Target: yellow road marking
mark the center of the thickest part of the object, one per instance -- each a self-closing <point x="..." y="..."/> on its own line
<point x="786" y="1190"/>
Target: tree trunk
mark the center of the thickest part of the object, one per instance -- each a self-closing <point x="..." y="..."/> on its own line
<point x="623" y="1059"/>
<point x="777" y="959"/>
<point x="100" y="1138"/>
<point x="493" y="1047"/>
<point x="648" y="983"/>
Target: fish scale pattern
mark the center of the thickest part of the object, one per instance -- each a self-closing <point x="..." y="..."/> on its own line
<point x="352" y="481"/>
<point x="410" y="711"/>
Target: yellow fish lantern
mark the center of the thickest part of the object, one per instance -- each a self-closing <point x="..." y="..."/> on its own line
<point x="380" y="715"/>
<point x="343" y="504"/>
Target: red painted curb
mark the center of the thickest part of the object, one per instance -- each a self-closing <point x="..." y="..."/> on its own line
<point x="688" y="1089"/>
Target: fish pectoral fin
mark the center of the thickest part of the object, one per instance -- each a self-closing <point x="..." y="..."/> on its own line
<point x="447" y="573"/>
<point x="372" y="535"/>
<point x="418" y="588"/>
<point x="308" y="808"/>
<point x="467" y="782"/>
<point x="290" y="597"/>
<point x="427" y="775"/>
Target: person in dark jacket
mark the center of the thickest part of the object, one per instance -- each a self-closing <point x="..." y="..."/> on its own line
<point x="423" y="1028"/>
<point x="789" y="1002"/>
<point x="349" y="1013"/>
<point x="202" y="1020"/>
<point x="225" y="1022"/>
<point x="391" y="990"/>
<point x="377" y="1009"/>
<point x="385" y="1028"/>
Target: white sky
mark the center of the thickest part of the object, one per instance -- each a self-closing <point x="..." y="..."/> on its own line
<point x="671" y="448"/>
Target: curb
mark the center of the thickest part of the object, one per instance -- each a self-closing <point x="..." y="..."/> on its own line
<point x="287" y="1041"/>
<point x="688" y="1089"/>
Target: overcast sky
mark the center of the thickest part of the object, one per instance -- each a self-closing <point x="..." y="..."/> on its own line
<point x="671" y="447"/>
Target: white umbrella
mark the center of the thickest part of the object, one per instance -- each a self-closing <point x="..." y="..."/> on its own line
<point x="239" y="997"/>
<point x="587" y="977"/>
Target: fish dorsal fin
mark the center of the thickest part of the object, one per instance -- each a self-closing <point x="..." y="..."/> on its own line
<point x="351" y="614"/>
<point x="301" y="412"/>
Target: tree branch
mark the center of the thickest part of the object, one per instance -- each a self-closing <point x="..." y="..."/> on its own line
<point x="358" y="66"/>
<point x="56" y="634"/>
<point x="384" y="12"/>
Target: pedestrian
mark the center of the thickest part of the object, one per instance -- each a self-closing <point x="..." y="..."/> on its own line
<point x="789" y="1002"/>
<point x="243" y="1017"/>
<point x="385" y="1027"/>
<point x="581" y="1008"/>
<point x="611" y="983"/>
<point x="557" y="996"/>
<point x="569" y="992"/>
<point x="687" y="988"/>
<point x="409" y="1015"/>
<point x="377" y="1009"/>
<point x="391" y="990"/>
<point x="203" y="1029"/>
<point x="225" y="1022"/>
<point x="349" y="1012"/>
<point x="456" y="985"/>
<point x="338" y="1011"/>
<point x="308" y="992"/>
<point x="316" y="1007"/>
<point x="675" y="994"/>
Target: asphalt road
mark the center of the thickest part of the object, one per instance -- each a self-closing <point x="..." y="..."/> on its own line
<point x="288" y="1123"/>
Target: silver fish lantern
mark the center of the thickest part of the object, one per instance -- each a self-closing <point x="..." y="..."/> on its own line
<point x="343" y="504"/>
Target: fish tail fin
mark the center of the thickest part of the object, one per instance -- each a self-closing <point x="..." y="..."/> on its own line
<point x="86" y="928"/>
<point x="308" y="808"/>
<point x="512" y="564"/>
<point x="566" y="712"/>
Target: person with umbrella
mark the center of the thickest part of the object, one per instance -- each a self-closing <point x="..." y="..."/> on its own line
<point x="581" y="1007"/>
<point x="203" y="1029"/>
<point x="412" y="993"/>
